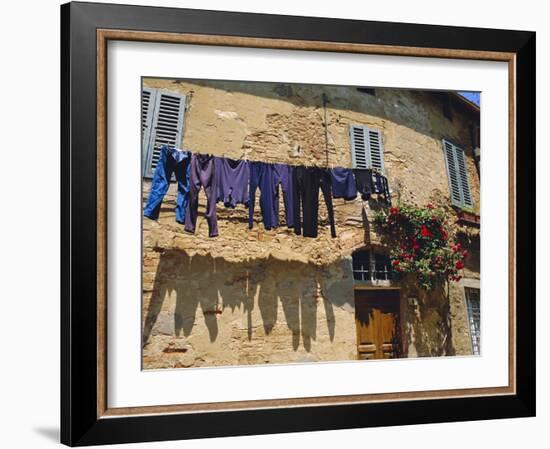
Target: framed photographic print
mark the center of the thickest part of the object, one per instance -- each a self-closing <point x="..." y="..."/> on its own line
<point x="276" y="224"/>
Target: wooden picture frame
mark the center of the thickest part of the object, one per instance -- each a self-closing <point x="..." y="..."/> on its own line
<point x="86" y="29"/>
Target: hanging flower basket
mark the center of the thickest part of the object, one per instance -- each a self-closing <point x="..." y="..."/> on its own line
<point x="420" y="244"/>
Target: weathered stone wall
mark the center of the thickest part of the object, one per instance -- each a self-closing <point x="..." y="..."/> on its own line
<point x="257" y="296"/>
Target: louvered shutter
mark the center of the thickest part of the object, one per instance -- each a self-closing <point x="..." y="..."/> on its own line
<point x="367" y="149"/>
<point x="166" y="127"/>
<point x="148" y="101"/>
<point x="457" y="173"/>
<point x="376" y="150"/>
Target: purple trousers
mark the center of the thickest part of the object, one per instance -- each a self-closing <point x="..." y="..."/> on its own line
<point x="282" y="175"/>
<point x="202" y="173"/>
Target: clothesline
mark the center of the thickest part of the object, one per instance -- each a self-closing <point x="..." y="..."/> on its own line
<point x="244" y="158"/>
<point x="235" y="181"/>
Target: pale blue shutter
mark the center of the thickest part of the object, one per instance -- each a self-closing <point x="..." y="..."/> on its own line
<point x="148" y="102"/>
<point x="367" y="150"/>
<point x="166" y="127"/>
<point x="463" y="174"/>
<point x="457" y="173"/>
<point x="376" y="149"/>
<point x="359" y="156"/>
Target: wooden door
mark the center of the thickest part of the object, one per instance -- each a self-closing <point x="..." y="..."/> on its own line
<point x="378" y="326"/>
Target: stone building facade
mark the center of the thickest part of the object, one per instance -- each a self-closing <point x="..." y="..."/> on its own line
<point x="258" y="296"/>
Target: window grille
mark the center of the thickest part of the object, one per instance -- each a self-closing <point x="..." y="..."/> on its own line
<point x="371" y="267"/>
<point x="474" y="308"/>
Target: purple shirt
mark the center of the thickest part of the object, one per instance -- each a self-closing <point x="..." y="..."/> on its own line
<point x="233" y="179"/>
<point x="343" y="183"/>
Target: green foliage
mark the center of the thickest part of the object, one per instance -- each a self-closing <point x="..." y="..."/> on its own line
<point x="420" y="244"/>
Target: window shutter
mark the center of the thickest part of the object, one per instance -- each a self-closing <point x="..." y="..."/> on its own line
<point x="458" y="175"/>
<point x="376" y="149"/>
<point x="166" y="127"/>
<point x="367" y="149"/>
<point x="359" y="157"/>
<point x="463" y="173"/>
<point x="148" y="101"/>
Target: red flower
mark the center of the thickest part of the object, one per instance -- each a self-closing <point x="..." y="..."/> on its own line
<point x="459" y="265"/>
<point x="430" y="206"/>
<point x="464" y="253"/>
<point x="444" y="234"/>
<point x="394" y="210"/>
<point x="456" y="248"/>
<point x="424" y="231"/>
<point x="395" y="263"/>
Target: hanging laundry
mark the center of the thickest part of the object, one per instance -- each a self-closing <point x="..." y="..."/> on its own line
<point x="282" y="176"/>
<point x="363" y="182"/>
<point x="261" y="177"/>
<point x="202" y="172"/>
<point x="369" y="182"/>
<point x="233" y="178"/>
<point x="171" y="161"/>
<point x="343" y="183"/>
<point x="306" y="184"/>
<point x="380" y="187"/>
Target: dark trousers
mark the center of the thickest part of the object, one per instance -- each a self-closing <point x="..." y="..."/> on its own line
<point x="261" y="177"/>
<point x="282" y="175"/>
<point x="306" y="184"/>
<point x="202" y="173"/>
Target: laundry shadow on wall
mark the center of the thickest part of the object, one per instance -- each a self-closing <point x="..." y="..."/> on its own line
<point x="216" y="286"/>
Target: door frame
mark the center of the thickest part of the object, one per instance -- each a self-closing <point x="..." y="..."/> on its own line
<point x="402" y="318"/>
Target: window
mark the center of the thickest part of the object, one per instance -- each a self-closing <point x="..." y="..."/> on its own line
<point x="457" y="173"/>
<point x="162" y="120"/>
<point x="473" y="308"/>
<point x="367" y="150"/>
<point x="371" y="266"/>
<point x="367" y="90"/>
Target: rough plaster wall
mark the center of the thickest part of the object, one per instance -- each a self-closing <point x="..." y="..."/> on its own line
<point x="244" y="309"/>
<point x="211" y="311"/>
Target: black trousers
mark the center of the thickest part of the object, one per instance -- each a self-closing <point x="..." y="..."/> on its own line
<point x="306" y="182"/>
